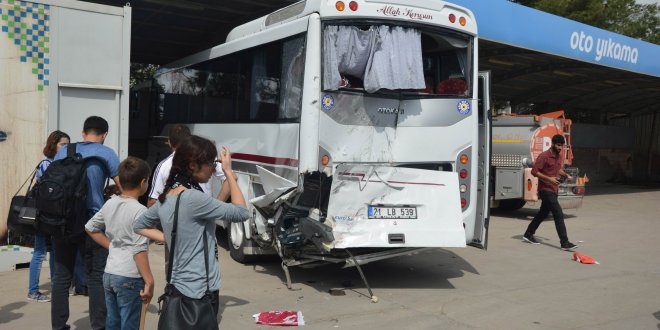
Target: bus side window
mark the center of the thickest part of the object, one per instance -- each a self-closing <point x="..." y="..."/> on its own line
<point x="241" y="87"/>
<point x="293" y="68"/>
<point x="265" y="84"/>
<point x="220" y="90"/>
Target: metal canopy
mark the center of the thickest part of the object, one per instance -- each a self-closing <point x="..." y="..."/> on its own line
<point x="529" y="52"/>
<point x="167" y="30"/>
<point x="524" y="76"/>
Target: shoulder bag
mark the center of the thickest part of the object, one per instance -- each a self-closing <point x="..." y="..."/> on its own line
<point x="22" y="217"/>
<point x="179" y="311"/>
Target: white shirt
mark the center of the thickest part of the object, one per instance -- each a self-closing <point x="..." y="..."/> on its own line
<point x="162" y="171"/>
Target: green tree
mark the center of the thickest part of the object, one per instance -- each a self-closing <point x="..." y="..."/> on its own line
<point x="142" y="72"/>
<point x="621" y="16"/>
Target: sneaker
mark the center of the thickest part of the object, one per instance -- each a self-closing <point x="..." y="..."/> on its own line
<point x="530" y="239"/>
<point x="568" y="246"/>
<point x="38" y="297"/>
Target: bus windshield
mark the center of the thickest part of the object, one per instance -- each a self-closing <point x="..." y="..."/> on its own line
<point x="391" y="59"/>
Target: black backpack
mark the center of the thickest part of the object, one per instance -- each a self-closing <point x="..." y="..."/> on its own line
<point x="61" y="196"/>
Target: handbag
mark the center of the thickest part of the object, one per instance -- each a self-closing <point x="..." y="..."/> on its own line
<point x="22" y="217"/>
<point x="178" y="311"/>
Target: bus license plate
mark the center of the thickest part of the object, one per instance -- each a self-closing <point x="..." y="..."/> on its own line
<point x="382" y="212"/>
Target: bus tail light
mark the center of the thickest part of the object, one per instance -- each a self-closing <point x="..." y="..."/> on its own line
<point x="340" y="5"/>
<point x="325" y="160"/>
<point x="353" y="5"/>
<point x="452" y="18"/>
<point x="463" y="174"/>
<point x="463" y="203"/>
<point x="462" y="21"/>
<point x="464" y="159"/>
<point x="529" y="184"/>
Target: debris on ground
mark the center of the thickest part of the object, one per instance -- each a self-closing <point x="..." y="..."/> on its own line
<point x="584" y="259"/>
<point x="280" y="318"/>
<point x="337" y="292"/>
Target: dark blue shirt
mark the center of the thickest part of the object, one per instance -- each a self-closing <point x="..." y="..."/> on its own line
<point x="97" y="171"/>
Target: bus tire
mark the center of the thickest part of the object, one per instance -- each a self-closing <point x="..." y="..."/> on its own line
<point x="511" y="204"/>
<point x="236" y="241"/>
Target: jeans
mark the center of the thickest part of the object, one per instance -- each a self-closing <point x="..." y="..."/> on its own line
<point x="35" y="264"/>
<point x="65" y="259"/>
<point x="549" y="204"/>
<point x="96" y="256"/>
<point x="122" y="298"/>
<point x="79" y="276"/>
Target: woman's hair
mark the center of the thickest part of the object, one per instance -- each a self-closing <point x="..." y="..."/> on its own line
<point x="50" y="150"/>
<point x="192" y="150"/>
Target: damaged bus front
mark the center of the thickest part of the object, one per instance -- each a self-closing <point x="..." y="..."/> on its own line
<point x="359" y="132"/>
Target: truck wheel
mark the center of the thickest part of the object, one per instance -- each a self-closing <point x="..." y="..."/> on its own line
<point x="511" y="204"/>
<point x="236" y="241"/>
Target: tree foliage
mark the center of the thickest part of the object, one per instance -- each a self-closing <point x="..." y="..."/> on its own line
<point x="142" y="72"/>
<point x="621" y="16"/>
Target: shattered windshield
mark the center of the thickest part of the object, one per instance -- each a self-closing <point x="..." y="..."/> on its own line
<point x="406" y="60"/>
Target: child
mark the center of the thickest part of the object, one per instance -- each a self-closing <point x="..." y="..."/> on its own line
<point x="126" y="283"/>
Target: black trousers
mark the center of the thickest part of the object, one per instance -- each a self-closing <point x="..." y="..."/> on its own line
<point x="95" y="257"/>
<point x="549" y="204"/>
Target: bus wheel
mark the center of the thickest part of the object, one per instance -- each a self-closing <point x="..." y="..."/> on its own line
<point x="511" y="204"/>
<point x="236" y="242"/>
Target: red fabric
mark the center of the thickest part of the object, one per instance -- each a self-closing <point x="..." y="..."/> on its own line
<point x="452" y="86"/>
<point x="549" y="164"/>
<point x="280" y="318"/>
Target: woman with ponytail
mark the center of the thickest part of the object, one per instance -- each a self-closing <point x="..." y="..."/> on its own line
<point x="193" y="163"/>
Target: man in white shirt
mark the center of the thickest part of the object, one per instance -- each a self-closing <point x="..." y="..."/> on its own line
<point x="177" y="133"/>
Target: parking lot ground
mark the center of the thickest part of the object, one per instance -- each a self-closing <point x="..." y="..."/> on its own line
<point x="512" y="285"/>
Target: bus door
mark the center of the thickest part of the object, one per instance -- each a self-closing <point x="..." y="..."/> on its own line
<point x="483" y="181"/>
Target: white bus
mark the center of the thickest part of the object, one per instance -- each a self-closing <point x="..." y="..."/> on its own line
<point x="355" y="126"/>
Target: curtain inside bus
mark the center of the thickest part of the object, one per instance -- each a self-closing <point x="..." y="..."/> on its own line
<point x="382" y="56"/>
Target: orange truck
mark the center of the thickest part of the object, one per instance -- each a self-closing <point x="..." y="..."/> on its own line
<point x="517" y="140"/>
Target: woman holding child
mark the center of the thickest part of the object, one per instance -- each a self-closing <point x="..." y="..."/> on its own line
<point x="191" y="275"/>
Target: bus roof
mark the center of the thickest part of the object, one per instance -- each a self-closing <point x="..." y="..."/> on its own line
<point x="423" y="11"/>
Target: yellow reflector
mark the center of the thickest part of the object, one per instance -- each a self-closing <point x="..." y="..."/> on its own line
<point x="324" y="160"/>
<point x="462" y="21"/>
<point x="464" y="159"/>
<point x="340" y="5"/>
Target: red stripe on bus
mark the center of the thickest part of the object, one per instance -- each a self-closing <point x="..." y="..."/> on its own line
<point x="266" y="159"/>
<point x="361" y="176"/>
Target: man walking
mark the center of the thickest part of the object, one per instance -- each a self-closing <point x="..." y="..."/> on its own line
<point x="104" y="165"/>
<point x="548" y="168"/>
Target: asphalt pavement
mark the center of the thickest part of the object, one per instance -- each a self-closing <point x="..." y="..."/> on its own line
<point x="512" y="285"/>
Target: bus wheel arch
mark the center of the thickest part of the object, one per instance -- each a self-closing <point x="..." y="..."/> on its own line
<point x="237" y="241"/>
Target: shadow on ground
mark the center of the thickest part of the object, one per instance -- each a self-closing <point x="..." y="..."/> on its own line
<point x="542" y="240"/>
<point x="7" y="313"/>
<point x="431" y="268"/>
<point x="82" y="323"/>
<point x="528" y="214"/>
<point x="615" y="189"/>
